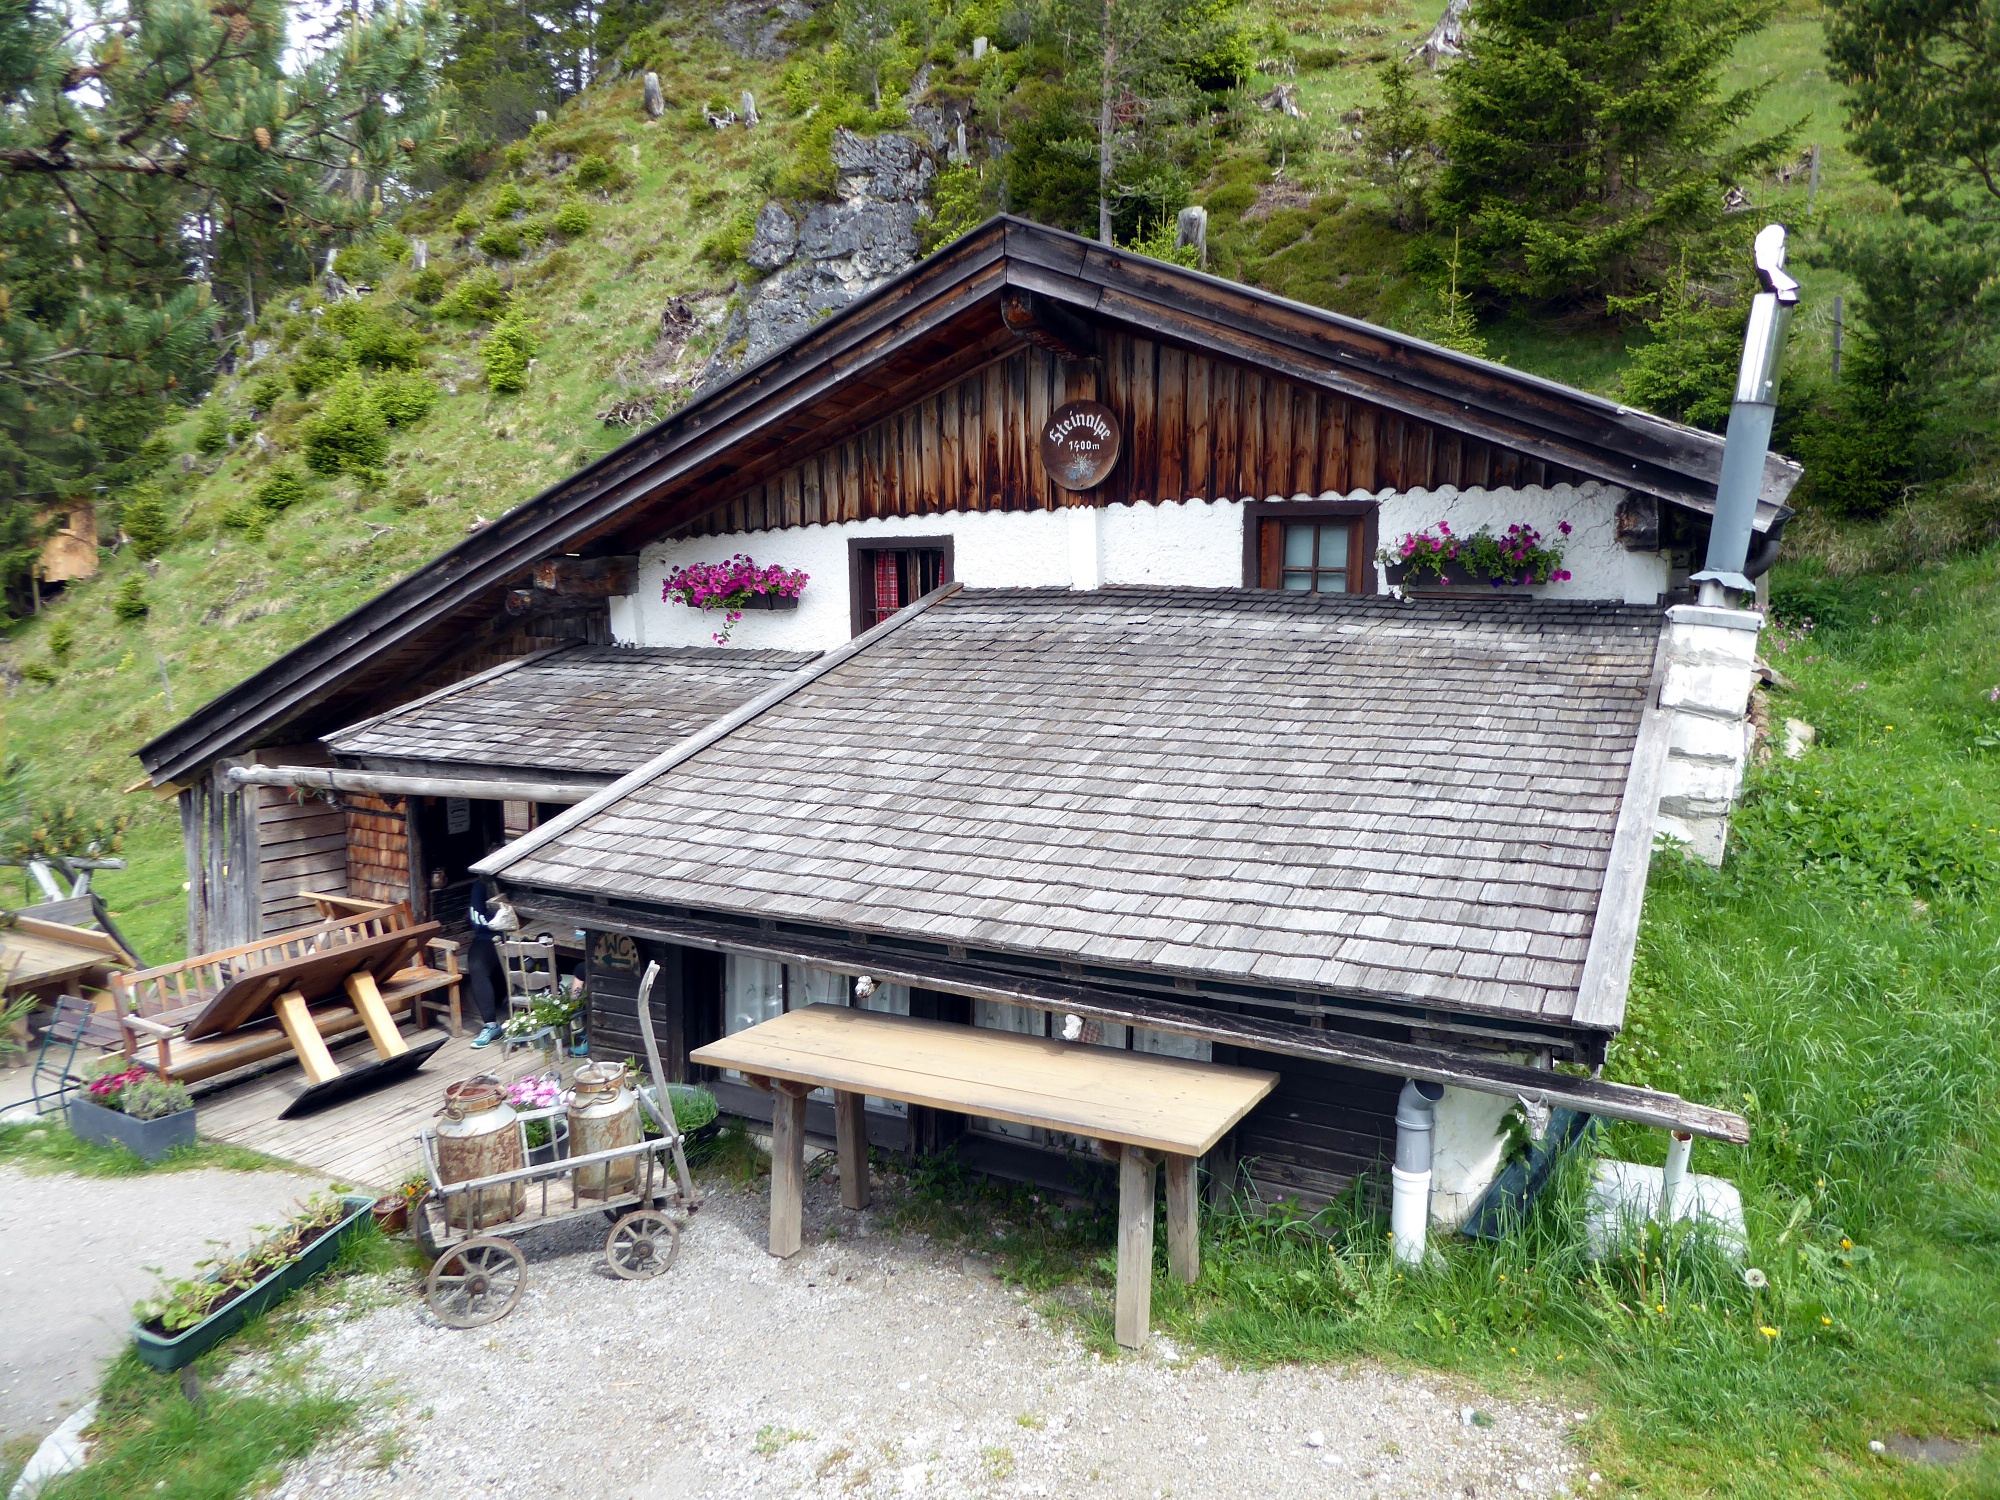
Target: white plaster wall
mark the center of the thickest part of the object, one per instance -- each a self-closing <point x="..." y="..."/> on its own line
<point x="1599" y="565"/>
<point x="1188" y="544"/>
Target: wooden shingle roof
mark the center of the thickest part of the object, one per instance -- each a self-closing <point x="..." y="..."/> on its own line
<point x="1408" y="801"/>
<point x="600" y="710"/>
<point x="942" y="319"/>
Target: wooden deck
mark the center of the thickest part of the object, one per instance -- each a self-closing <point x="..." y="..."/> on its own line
<point x="369" y="1142"/>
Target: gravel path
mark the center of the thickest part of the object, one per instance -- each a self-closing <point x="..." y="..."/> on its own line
<point x="866" y="1368"/>
<point x="73" y="1258"/>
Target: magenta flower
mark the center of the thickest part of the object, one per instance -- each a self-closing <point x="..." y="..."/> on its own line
<point x="728" y="586"/>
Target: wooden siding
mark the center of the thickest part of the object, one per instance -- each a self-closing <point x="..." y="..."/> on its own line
<point x="378" y="847"/>
<point x="1195" y="427"/>
<point x="1322" y="1127"/>
<point x="301" y="844"/>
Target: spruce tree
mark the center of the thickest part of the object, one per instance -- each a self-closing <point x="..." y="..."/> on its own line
<point x="1586" y="143"/>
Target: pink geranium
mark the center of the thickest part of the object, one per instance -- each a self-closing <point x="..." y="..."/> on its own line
<point x="729" y="586"/>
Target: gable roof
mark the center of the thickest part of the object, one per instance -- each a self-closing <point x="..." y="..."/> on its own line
<point x="1409" y="802"/>
<point x="600" y="710"/>
<point x="939" y="320"/>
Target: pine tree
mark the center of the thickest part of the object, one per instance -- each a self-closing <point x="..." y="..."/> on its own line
<point x="1687" y="368"/>
<point x="1398" y="135"/>
<point x="1586" y="143"/>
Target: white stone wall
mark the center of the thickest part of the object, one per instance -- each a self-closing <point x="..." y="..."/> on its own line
<point x="1711" y="668"/>
<point x="1192" y="543"/>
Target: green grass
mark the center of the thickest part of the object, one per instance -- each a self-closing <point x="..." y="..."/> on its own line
<point x="1839" y="982"/>
<point x="51" y="1148"/>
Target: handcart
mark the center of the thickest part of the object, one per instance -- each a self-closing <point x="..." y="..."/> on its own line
<point x="478" y="1273"/>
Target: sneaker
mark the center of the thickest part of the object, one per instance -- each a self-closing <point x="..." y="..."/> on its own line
<point x="490" y="1033"/>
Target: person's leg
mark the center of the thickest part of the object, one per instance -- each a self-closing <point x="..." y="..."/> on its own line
<point x="485" y="981"/>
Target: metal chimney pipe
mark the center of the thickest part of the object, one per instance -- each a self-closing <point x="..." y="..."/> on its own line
<point x="1751" y="414"/>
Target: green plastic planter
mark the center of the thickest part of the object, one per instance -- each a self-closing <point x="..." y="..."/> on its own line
<point x="191" y="1343"/>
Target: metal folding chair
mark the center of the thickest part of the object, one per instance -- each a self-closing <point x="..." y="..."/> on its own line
<point x="54" y="1081"/>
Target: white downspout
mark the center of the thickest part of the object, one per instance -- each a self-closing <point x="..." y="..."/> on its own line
<point x="1410" y="1199"/>
<point x="1673" y="1181"/>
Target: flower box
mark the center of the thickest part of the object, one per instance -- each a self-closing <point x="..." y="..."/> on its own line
<point x="770" y="601"/>
<point x="1455" y="576"/>
<point x="1519" y="558"/>
<point x="164" y="1353"/>
<point x="149" y="1140"/>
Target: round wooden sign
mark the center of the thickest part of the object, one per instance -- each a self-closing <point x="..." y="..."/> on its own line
<point x="1080" y="444"/>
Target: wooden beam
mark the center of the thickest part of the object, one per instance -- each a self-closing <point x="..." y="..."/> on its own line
<point x="1047" y="325"/>
<point x="588" y="577"/>
<point x="1591" y="1096"/>
<point x="395" y="784"/>
<point x="788" y="1170"/>
<point x="1183" y="1220"/>
<point x="850" y="1131"/>
<point x="1134" y="1313"/>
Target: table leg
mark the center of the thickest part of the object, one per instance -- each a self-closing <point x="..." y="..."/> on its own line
<point x="788" y="1169"/>
<point x="1183" y="1220"/>
<point x="295" y="1016"/>
<point x="1135" y="1247"/>
<point x="850" y="1129"/>
<point x="367" y="998"/>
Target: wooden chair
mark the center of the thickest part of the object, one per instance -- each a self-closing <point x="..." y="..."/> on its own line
<point x="531" y="972"/>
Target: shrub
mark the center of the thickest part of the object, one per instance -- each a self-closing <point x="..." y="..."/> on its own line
<point x="319" y="363"/>
<point x="958" y="203"/>
<point x="595" y="171"/>
<point x="509" y="201"/>
<point x="572" y="220"/>
<point x="409" y="496"/>
<point x="725" y="244"/>
<point x="65" y="830"/>
<point x="241" y="428"/>
<point x="129" y="603"/>
<point x="62" y="639"/>
<point x="479" y="295"/>
<point x="351" y="434"/>
<point x="427" y="286"/>
<point x="374" y="339"/>
<point x="535" y="231"/>
<point x="263" y="393"/>
<point x="280" y="492"/>
<point x="39" y="671"/>
<point x="146" y="521"/>
<point x="246" y="516"/>
<point x="502" y="241"/>
<point x="465" y="223"/>
<point x="506" y="353"/>
<point x="361" y="262"/>
<point x="404" y="397"/>
<point x="211" y="434"/>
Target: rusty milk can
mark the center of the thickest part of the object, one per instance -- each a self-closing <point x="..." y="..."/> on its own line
<point x="478" y="1136"/>
<point x="603" y="1113"/>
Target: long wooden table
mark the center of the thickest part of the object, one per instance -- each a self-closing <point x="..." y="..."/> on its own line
<point x="1139" y="1106"/>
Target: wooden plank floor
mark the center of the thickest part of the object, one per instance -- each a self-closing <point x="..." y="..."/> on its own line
<point x="367" y="1142"/>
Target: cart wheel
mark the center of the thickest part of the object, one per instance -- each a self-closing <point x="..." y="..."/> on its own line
<point x="642" y="1245"/>
<point x="477" y="1282"/>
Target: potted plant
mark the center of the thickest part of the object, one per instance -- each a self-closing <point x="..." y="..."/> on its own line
<point x="189" y="1317"/>
<point x="1518" y="557"/>
<point x="732" y="587"/>
<point x="557" y="1015"/>
<point x="537" y="1102"/>
<point x="131" y="1107"/>
<point x="392" y="1210"/>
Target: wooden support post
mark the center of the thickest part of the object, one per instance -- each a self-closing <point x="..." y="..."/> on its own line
<point x="1183" y="1220"/>
<point x="1135" y="1247"/>
<point x="367" y="997"/>
<point x="788" y="1168"/>
<point x="296" y="1017"/>
<point x="850" y="1129"/>
<point x="1222" y="1174"/>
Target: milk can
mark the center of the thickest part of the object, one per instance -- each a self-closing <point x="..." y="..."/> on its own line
<point x="477" y="1136"/>
<point x="603" y="1113"/>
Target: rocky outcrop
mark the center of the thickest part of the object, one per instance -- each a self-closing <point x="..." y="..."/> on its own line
<point x="756" y="28"/>
<point x="823" y="256"/>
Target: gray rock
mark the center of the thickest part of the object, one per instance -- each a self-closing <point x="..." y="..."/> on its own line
<point x="656" y="101"/>
<point x="756" y="28"/>
<point x="775" y="239"/>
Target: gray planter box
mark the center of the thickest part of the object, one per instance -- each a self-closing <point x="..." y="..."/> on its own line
<point x="146" y="1139"/>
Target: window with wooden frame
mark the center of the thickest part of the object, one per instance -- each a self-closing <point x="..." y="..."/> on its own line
<point x="886" y="574"/>
<point x="1310" y="546"/>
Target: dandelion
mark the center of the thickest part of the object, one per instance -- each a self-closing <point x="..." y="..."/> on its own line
<point x="1768" y="1331"/>
<point x="1825" y="1321"/>
<point x="1846" y="1243"/>
<point x="1755" y="1279"/>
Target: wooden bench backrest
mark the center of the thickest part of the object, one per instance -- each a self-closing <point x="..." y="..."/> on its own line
<point x="195" y="981"/>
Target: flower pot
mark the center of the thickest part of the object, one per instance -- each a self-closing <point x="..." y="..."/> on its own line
<point x="392" y="1214"/>
<point x="170" y="1353"/>
<point x="1456" y="576"/>
<point x="147" y="1139"/>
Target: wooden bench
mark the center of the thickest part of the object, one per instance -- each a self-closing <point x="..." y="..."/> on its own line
<point x="156" y="1005"/>
<point x="1140" y="1107"/>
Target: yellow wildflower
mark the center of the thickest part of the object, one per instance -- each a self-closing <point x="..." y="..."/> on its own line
<point x="1768" y="1331"/>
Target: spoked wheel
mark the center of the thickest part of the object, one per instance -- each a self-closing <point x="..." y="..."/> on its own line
<point x="477" y="1282"/>
<point x="642" y="1245"/>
